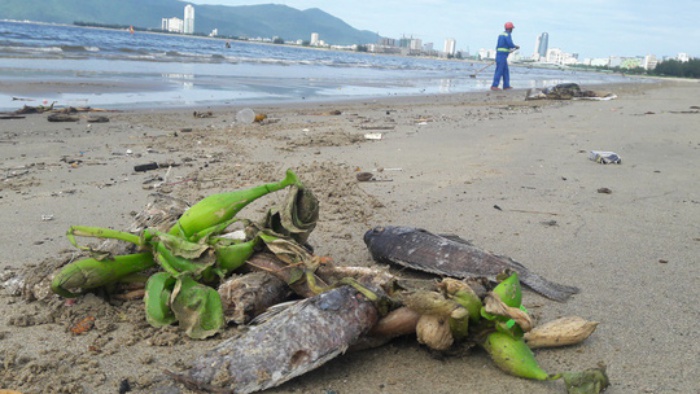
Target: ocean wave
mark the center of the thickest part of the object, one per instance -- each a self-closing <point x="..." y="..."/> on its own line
<point x="79" y="48"/>
<point x="27" y="49"/>
<point x="132" y="50"/>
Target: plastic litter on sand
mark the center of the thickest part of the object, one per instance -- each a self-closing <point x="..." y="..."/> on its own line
<point x="604" y="157"/>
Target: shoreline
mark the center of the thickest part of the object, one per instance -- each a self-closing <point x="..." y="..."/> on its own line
<point x="448" y="160"/>
<point x="67" y="92"/>
<point x="113" y="70"/>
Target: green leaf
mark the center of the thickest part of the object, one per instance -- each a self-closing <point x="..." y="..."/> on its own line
<point x="157" y="300"/>
<point x="181" y="247"/>
<point x="197" y="307"/>
<point x="295" y="275"/>
<point x="231" y="257"/>
<point x="177" y="265"/>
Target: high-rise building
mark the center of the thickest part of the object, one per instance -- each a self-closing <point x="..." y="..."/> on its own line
<point x="314" y="39"/>
<point x="173" y="25"/>
<point x="450" y="46"/>
<point x="541" y="46"/>
<point x="536" y="53"/>
<point x="189" y="19"/>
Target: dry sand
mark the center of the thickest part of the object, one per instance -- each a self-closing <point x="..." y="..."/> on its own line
<point x="448" y="162"/>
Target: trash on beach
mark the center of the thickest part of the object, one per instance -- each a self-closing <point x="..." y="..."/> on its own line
<point x="373" y="136"/>
<point x="567" y="91"/>
<point x="382" y="169"/>
<point x="605" y="157"/>
<point x="604" y="190"/>
<point x="245" y="116"/>
<point x="146" y="167"/>
<point x="201" y="115"/>
<point x="369" y="177"/>
<point x="47" y="217"/>
<point x="83" y="325"/>
<point x="364" y="176"/>
<point x="98" y="119"/>
<point x="28" y="109"/>
<point x="184" y="257"/>
<point x="62" y="118"/>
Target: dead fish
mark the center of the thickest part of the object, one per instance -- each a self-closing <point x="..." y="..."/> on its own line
<point x="249" y="295"/>
<point x="452" y="256"/>
<point x="298" y="339"/>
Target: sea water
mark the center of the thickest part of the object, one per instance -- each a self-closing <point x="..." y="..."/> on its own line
<point x="119" y="69"/>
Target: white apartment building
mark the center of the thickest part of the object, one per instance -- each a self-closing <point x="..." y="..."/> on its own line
<point x="649" y="62"/>
<point x="314" y="39"/>
<point x="174" y="25"/>
<point x="487" y="54"/>
<point x="416" y="44"/>
<point x="557" y="56"/>
<point x="189" y="19"/>
<point x="450" y="48"/>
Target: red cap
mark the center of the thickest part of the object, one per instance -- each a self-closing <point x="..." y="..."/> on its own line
<point x="509" y="26"/>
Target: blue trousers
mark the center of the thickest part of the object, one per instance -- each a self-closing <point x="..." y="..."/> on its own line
<point x="501" y="70"/>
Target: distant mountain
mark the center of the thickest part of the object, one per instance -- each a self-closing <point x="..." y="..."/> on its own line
<point x="269" y="20"/>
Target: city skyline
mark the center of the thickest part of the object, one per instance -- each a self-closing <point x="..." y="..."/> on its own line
<point x="590" y="28"/>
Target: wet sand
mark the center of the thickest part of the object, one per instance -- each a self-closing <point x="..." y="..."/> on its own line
<point x="510" y="175"/>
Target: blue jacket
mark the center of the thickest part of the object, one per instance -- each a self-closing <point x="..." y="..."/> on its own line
<point x="505" y="43"/>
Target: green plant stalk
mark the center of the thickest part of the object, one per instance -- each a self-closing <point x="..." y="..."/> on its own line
<point x="231" y="257"/>
<point x="459" y="327"/>
<point x="213" y="230"/>
<point x="100" y="232"/>
<point x="91" y="273"/>
<point x="176" y="265"/>
<point x="157" y="300"/>
<point x="471" y="302"/>
<point x="514" y="357"/>
<point x="221" y="207"/>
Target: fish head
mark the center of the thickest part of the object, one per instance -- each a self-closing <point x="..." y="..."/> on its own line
<point x="372" y="233"/>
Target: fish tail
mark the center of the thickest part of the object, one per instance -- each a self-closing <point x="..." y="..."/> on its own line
<point x="551" y="290"/>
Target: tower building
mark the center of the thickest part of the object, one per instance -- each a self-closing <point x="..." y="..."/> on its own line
<point x="542" y="45"/>
<point x="189" y="19"/>
<point x="450" y="47"/>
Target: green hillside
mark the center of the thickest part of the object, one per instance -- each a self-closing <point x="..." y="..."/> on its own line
<point x="270" y="20"/>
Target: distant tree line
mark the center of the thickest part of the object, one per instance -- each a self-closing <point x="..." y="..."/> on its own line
<point x="107" y="25"/>
<point x="668" y="68"/>
<point x="675" y="68"/>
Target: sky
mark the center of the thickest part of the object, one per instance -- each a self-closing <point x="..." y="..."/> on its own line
<point x="591" y="28"/>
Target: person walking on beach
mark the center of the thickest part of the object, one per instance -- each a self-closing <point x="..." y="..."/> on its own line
<point x="504" y="47"/>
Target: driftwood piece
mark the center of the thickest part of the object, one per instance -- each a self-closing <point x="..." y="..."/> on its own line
<point x="62" y="118"/>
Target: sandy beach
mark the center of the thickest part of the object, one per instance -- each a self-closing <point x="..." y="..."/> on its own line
<point x="512" y="176"/>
